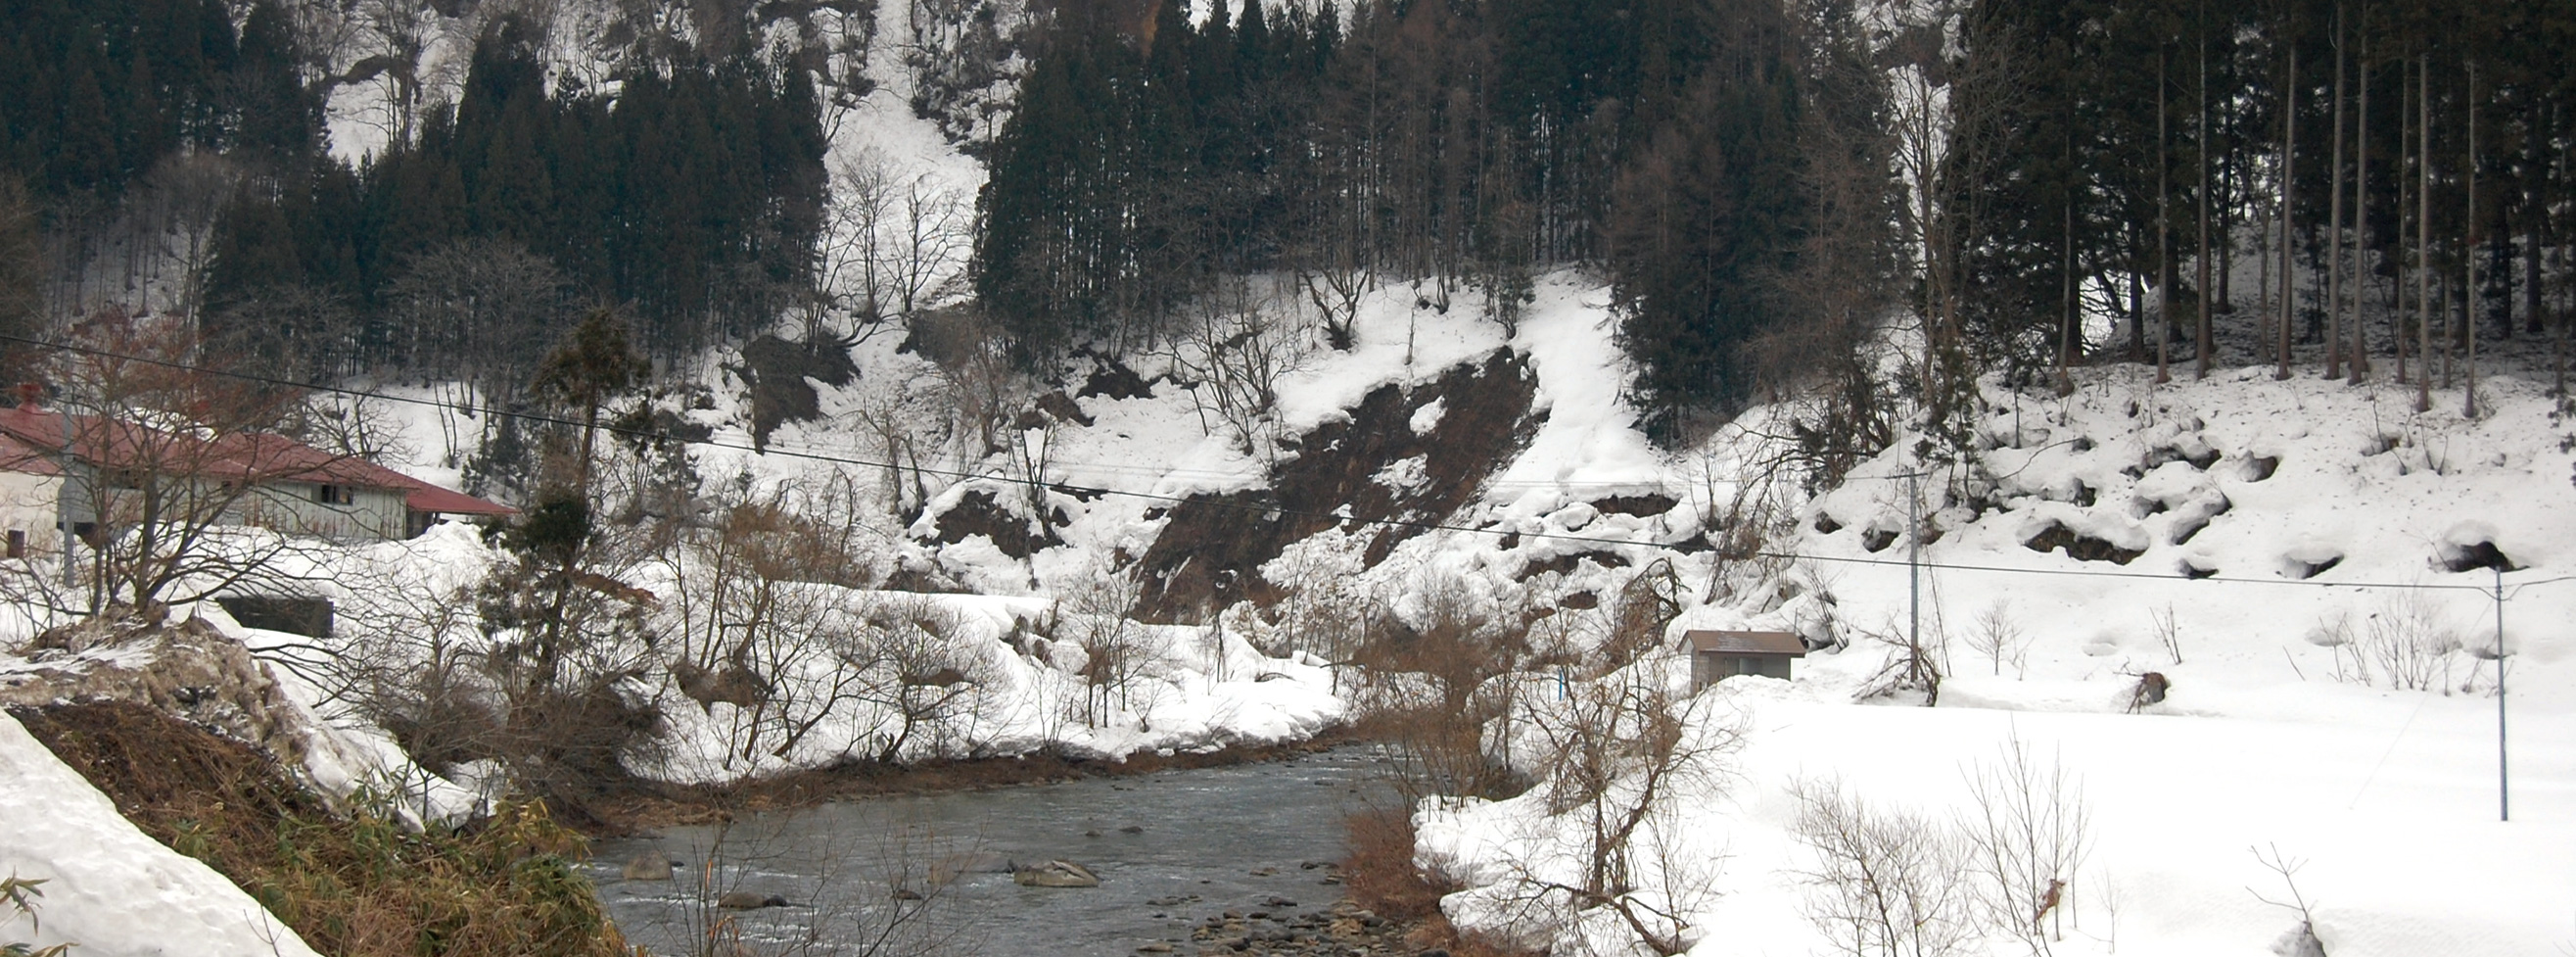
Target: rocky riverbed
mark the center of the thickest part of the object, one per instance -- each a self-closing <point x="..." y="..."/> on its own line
<point x="1340" y="930"/>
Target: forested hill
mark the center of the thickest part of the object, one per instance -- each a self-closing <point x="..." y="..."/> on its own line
<point x="1762" y="183"/>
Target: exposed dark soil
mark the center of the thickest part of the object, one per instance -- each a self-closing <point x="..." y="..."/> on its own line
<point x="1210" y="553"/>
<point x="775" y="369"/>
<point x="1565" y="564"/>
<point x="1648" y="505"/>
<point x="979" y="513"/>
<point x="2080" y="547"/>
<point x="162" y="771"/>
<point x="2461" y="558"/>
<point x="1113" y="380"/>
<point x="1053" y="406"/>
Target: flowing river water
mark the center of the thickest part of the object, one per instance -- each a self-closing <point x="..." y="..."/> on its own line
<point x="1170" y="850"/>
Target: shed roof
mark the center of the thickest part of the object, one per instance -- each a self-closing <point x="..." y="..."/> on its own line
<point x="1783" y="643"/>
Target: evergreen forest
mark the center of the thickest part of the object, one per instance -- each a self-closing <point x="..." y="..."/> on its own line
<point x="2366" y="185"/>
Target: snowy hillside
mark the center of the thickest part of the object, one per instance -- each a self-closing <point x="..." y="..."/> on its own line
<point x="2300" y="559"/>
<point x="1116" y="434"/>
<point x="2308" y="566"/>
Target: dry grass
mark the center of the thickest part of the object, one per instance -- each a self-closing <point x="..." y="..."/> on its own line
<point x="356" y="884"/>
<point x="1378" y="874"/>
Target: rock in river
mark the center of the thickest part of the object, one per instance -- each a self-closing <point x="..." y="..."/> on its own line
<point x="649" y="866"/>
<point x="746" y="900"/>
<point x="1056" y="873"/>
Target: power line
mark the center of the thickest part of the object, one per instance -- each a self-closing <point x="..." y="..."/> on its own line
<point x="1266" y="511"/>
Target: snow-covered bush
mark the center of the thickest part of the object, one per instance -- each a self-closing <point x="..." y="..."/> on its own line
<point x="2407" y="645"/>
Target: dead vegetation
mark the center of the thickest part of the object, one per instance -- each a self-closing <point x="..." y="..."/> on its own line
<point x="1378" y="874"/>
<point x="353" y="882"/>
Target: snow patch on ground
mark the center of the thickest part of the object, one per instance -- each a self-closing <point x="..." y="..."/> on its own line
<point x="109" y="888"/>
<point x="2280" y="551"/>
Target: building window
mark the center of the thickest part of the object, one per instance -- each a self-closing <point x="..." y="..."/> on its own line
<point x="17" y="543"/>
<point x="334" y="495"/>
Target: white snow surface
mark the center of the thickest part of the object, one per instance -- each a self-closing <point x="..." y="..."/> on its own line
<point x="109" y="888"/>
<point x="2284" y="727"/>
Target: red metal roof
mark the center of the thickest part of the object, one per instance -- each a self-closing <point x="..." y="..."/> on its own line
<point x="1747" y="642"/>
<point x="30" y="438"/>
<point x="421" y="496"/>
<point x="16" y="456"/>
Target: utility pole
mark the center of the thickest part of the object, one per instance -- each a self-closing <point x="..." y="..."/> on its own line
<point x="2504" y="781"/>
<point x="1914" y="564"/>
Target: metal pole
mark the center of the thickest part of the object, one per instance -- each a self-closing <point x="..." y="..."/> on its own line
<point x="1914" y="558"/>
<point x="2504" y="781"/>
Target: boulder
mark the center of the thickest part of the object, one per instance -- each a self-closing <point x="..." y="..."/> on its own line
<point x="649" y="866"/>
<point x="1057" y="873"/>
<point x="746" y="900"/>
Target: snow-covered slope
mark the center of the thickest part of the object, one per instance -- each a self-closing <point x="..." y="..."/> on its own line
<point x="110" y="889"/>
<point x="2309" y="564"/>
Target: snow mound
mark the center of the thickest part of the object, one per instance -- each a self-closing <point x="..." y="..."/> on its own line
<point x="109" y="888"/>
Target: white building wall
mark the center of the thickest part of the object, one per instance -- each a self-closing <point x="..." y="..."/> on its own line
<point x="296" y="509"/>
<point x="27" y="507"/>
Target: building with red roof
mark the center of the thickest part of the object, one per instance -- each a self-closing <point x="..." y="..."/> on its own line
<point x="93" y="475"/>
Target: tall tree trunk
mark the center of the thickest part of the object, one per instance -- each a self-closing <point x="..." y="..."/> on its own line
<point x="2397" y="268"/>
<point x="2535" y="224"/>
<point x="2263" y="285"/>
<point x="2200" y="261"/>
<point x="2424" y="230"/>
<point x="2068" y="321"/>
<point x="2469" y="250"/>
<point x="2289" y="156"/>
<point x="2361" y="198"/>
<point x="2567" y="309"/>
<point x="2164" y="232"/>
<point x="2333" y="333"/>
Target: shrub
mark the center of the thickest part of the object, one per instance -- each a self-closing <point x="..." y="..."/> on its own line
<point x="20" y="894"/>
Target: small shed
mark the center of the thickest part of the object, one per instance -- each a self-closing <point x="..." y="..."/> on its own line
<point x="1717" y="655"/>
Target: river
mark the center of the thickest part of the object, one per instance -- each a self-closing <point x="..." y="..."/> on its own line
<point x="1170" y="849"/>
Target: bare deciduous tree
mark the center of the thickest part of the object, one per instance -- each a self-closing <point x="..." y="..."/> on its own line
<point x="1231" y="360"/>
<point x="1624" y="749"/>
<point x="1118" y="654"/>
<point x="1998" y="636"/>
<point x="182" y="197"/>
<point x="478" y="309"/>
<point x="1885" y="883"/>
<point x="889" y="246"/>
<point x="1435" y="687"/>
<point x="175" y="485"/>
<point x="765" y="625"/>
<point x="922" y="684"/>
<point x="2028" y="829"/>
